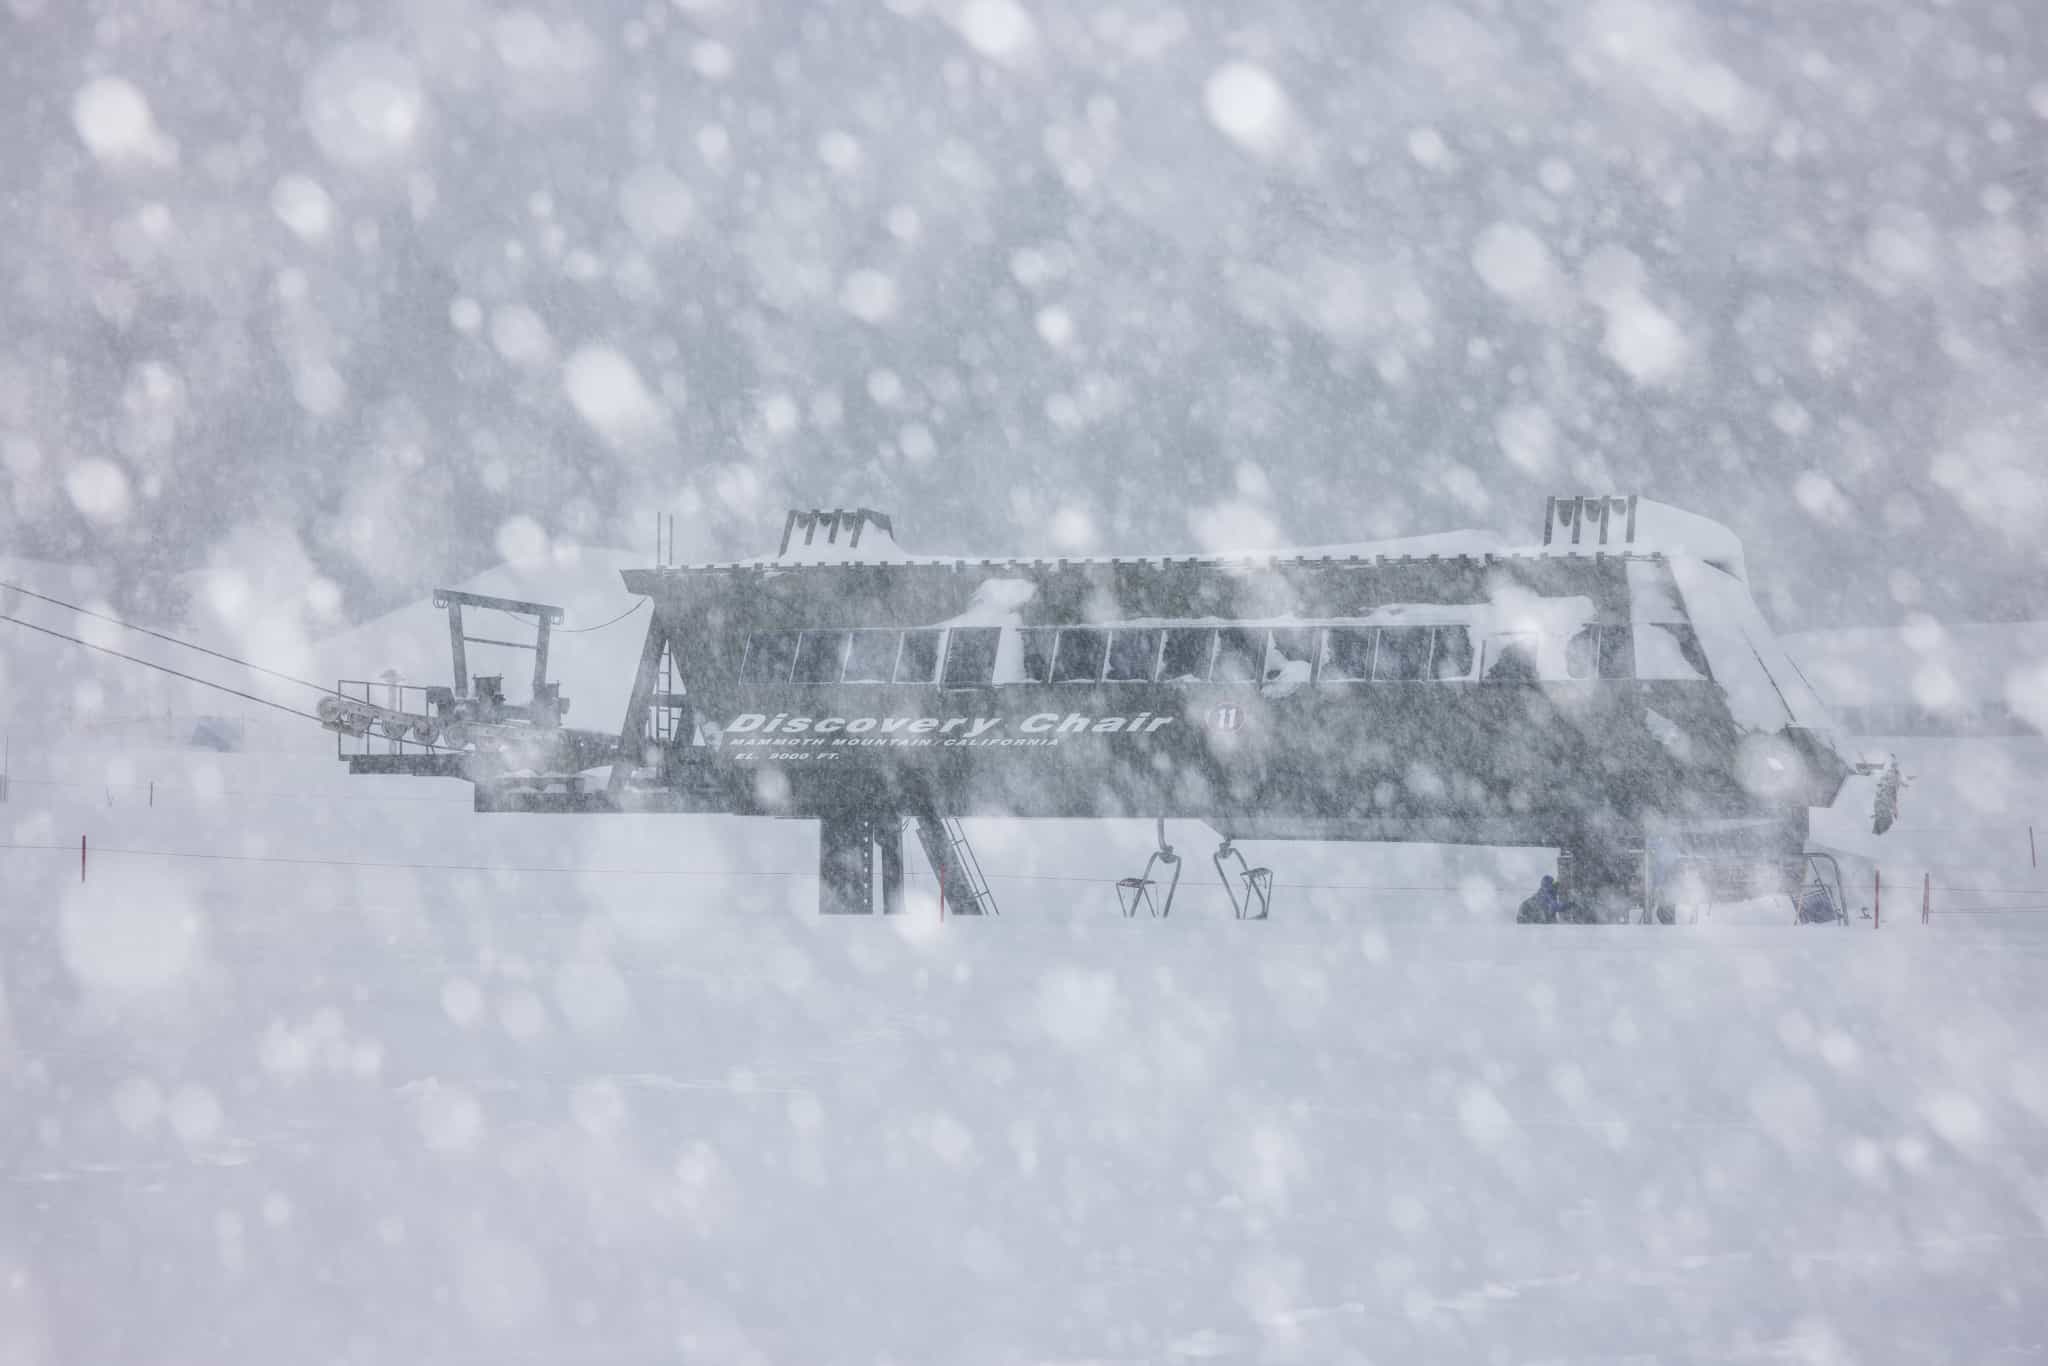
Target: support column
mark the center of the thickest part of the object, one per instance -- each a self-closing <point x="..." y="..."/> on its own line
<point x="888" y="833"/>
<point x="1599" y="877"/>
<point x="636" y="747"/>
<point x="455" y="646"/>
<point x="846" y="867"/>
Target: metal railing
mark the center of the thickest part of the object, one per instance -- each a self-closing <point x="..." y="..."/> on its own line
<point x="410" y="698"/>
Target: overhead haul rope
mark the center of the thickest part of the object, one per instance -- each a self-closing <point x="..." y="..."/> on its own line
<point x="209" y="683"/>
<point x="218" y="654"/>
<point x="228" y="658"/>
<point x="165" y="668"/>
<point x="159" y="635"/>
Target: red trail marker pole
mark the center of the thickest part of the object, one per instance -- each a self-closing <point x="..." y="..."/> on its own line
<point x="1876" y="897"/>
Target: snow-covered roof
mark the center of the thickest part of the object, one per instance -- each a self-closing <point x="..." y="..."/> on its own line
<point x="884" y="550"/>
<point x="1659" y="529"/>
<point x="1765" y="691"/>
<point x="1666" y="530"/>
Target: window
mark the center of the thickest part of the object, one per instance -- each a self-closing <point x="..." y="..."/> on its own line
<point x="1582" y="652"/>
<point x="1079" y="656"/>
<point x="1671" y="650"/>
<point x="1689" y="646"/>
<point x="919" y="660"/>
<point x="1037" y="643"/>
<point x="1132" y="655"/>
<point x="871" y="657"/>
<point x="769" y="654"/>
<point x="1617" y="652"/>
<point x="819" y="657"/>
<point x="1239" y="655"/>
<point x="1403" y="654"/>
<point x="1600" y="652"/>
<point x="1185" y="656"/>
<point x="1347" y="653"/>
<point x="1290" y="655"/>
<point x="1453" y="658"/>
<point x="971" y="655"/>
<point x="1511" y="659"/>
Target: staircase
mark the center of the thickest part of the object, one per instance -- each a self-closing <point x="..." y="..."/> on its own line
<point x="961" y="883"/>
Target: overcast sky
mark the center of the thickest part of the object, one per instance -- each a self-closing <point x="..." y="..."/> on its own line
<point x="363" y="296"/>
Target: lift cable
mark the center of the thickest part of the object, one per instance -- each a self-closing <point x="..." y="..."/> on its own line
<point x="206" y="682"/>
<point x="159" y="635"/>
<point x="164" y="668"/>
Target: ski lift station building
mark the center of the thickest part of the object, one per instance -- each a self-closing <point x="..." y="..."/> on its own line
<point x="1585" y="692"/>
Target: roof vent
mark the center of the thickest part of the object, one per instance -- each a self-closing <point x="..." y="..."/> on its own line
<point x="816" y="529"/>
<point x="1611" y="514"/>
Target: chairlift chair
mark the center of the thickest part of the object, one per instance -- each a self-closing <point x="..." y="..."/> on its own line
<point x="1256" y="901"/>
<point x="1818" y="899"/>
<point x="1135" y="892"/>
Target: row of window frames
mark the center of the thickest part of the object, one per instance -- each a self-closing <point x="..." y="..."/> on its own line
<point x="1169" y="654"/>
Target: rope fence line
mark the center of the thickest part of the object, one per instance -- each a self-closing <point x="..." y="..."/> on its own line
<point x="603" y="871"/>
<point x="572" y="869"/>
<point x="1924" y="891"/>
<point x="198" y="797"/>
<point x="291" y="861"/>
<point x="162" y="788"/>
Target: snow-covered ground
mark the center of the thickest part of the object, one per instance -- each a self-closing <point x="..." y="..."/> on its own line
<point x="637" y="1103"/>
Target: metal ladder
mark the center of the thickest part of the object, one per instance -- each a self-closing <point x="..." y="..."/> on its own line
<point x="961" y="882"/>
<point x="664" y="717"/>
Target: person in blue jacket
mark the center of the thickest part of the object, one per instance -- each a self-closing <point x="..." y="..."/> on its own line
<point x="1546" y="907"/>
